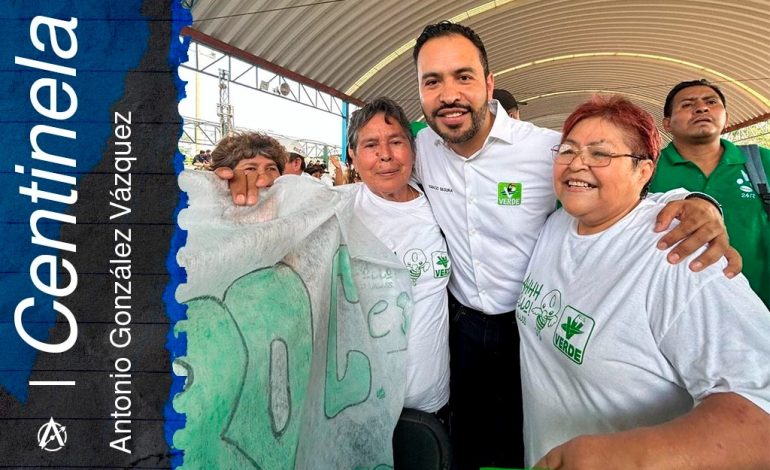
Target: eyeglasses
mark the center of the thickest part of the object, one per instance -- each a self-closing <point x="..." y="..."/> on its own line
<point x="591" y="155"/>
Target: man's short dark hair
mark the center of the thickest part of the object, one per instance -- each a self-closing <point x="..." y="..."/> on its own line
<point x="315" y="168"/>
<point x="360" y="117"/>
<point x="668" y="107"/>
<point x="294" y="156"/>
<point x="506" y="99"/>
<point x="447" y="28"/>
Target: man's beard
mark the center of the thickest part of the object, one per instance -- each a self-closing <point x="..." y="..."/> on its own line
<point x="477" y="120"/>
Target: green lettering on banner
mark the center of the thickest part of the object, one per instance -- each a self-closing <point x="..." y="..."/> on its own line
<point x="210" y="382"/>
<point x="354" y="385"/>
<point x="376" y="309"/>
<point x="272" y="309"/>
<point x="402" y="301"/>
<point x="243" y="407"/>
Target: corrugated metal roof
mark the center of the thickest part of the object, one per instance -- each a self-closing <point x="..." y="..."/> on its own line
<point x="551" y="53"/>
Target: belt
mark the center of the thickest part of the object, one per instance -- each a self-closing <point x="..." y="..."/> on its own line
<point x="443" y="415"/>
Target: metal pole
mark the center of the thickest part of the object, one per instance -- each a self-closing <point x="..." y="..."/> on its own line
<point x="344" y="156"/>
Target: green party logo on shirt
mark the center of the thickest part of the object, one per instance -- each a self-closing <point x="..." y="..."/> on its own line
<point x="441" y="264"/>
<point x="573" y="333"/>
<point x="508" y="194"/>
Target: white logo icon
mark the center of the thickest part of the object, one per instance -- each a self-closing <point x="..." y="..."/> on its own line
<point x="51" y="436"/>
<point x="744" y="183"/>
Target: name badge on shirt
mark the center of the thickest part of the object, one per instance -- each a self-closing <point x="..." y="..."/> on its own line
<point x="508" y="194"/>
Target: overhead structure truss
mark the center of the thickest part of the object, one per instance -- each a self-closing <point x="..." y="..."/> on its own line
<point x="210" y="61"/>
<point x="205" y="134"/>
<point x="750" y="134"/>
<point x="200" y="133"/>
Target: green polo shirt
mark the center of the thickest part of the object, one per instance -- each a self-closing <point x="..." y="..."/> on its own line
<point x="745" y="218"/>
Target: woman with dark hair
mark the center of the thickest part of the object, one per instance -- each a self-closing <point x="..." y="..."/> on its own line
<point x="251" y="152"/>
<point x="629" y="361"/>
<point x="382" y="149"/>
<point x="397" y="212"/>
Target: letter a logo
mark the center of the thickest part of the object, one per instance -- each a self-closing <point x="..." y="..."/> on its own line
<point x="52" y="436"/>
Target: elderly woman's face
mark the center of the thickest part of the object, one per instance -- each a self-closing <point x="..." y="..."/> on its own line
<point x="266" y="170"/>
<point x="599" y="196"/>
<point x="384" y="158"/>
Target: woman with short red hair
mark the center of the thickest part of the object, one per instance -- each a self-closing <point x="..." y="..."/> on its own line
<point x="629" y="361"/>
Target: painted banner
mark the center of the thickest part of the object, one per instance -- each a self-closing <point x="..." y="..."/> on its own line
<point x="296" y="332"/>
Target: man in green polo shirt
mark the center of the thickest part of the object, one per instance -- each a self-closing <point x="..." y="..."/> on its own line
<point x="699" y="160"/>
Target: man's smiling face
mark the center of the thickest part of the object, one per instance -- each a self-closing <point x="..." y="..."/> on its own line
<point x="454" y="92"/>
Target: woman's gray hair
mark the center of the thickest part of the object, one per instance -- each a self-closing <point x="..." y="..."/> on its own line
<point x="360" y="117"/>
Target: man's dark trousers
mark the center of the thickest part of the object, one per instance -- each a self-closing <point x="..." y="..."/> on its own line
<point x="485" y="389"/>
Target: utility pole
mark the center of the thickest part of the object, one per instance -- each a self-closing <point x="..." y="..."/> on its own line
<point x="224" y="109"/>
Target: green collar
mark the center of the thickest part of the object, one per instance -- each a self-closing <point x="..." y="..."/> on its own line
<point x="732" y="154"/>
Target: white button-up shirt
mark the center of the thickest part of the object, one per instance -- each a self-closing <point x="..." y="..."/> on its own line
<point x="491" y="206"/>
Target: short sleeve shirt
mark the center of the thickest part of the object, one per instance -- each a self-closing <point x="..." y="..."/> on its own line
<point x="747" y="222"/>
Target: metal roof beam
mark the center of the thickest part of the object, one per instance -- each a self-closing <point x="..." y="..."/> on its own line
<point x="259" y="62"/>
<point x="250" y="78"/>
<point x="750" y="122"/>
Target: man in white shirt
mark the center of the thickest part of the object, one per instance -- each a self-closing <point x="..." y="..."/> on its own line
<point x="488" y="178"/>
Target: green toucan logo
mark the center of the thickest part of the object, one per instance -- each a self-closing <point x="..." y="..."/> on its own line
<point x="573" y="334"/>
<point x="572" y="328"/>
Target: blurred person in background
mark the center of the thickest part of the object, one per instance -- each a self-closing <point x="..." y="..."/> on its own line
<point x="295" y="165"/>
<point x="508" y="102"/>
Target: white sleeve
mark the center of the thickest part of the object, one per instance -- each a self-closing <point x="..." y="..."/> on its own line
<point x="720" y="342"/>
<point x="676" y="194"/>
